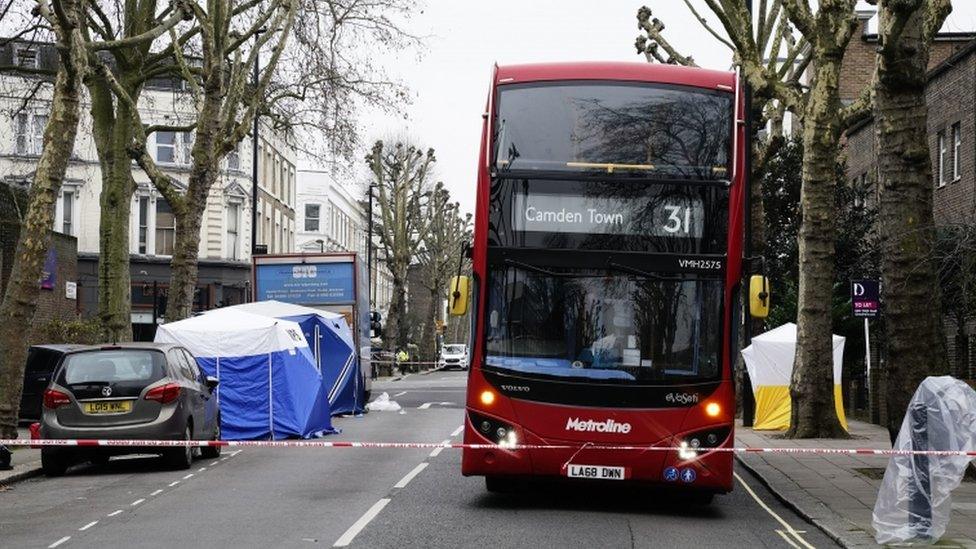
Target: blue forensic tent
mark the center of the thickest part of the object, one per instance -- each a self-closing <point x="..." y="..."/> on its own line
<point x="269" y="385"/>
<point x="332" y="345"/>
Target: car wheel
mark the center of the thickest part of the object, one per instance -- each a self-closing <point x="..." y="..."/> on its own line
<point x="500" y="485"/>
<point x="53" y="463"/>
<point x="181" y="457"/>
<point x="211" y="452"/>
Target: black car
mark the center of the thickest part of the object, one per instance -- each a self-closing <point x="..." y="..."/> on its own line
<point x="41" y="361"/>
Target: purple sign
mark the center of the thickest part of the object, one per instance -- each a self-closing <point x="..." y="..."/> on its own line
<point x="865" y="298"/>
<point x="49" y="274"/>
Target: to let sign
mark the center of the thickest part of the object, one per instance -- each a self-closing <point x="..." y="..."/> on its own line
<point x="865" y="298"/>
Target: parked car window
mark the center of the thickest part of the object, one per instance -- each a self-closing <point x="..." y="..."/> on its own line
<point x="179" y="360"/>
<point x="194" y="367"/>
<point x="40" y="359"/>
<point x="112" y="366"/>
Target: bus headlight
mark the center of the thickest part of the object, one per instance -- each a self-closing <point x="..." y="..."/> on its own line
<point x="685" y="453"/>
<point x="496" y="431"/>
<point x="705" y="440"/>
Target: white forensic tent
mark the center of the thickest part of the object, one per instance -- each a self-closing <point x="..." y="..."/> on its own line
<point x="769" y="361"/>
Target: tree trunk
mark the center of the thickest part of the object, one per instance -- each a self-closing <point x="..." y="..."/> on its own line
<point x="395" y="331"/>
<point x="812" y="385"/>
<point x="114" y="289"/>
<point x="189" y="213"/>
<point x="915" y="343"/>
<point x="20" y="299"/>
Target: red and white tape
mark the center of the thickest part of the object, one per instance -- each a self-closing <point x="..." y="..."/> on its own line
<point x="458" y="445"/>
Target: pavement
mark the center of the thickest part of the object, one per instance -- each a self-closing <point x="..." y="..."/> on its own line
<point x="26" y="462"/>
<point x="838" y="492"/>
<point x="374" y="498"/>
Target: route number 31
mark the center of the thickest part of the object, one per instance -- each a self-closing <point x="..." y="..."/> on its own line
<point x="679" y="219"/>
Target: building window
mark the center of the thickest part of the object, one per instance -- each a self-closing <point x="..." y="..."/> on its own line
<point x="233" y="231"/>
<point x="165" y="228"/>
<point x="143" y="223"/>
<point x="941" y="165"/>
<point x="186" y="141"/>
<point x="67" y="212"/>
<point x="234" y="158"/>
<point x="956" y="151"/>
<point x="166" y="147"/>
<point x="25" y="56"/>
<point x="312" y="217"/>
<point x="30" y="133"/>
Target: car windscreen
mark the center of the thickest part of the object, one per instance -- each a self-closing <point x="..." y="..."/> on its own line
<point x="137" y="367"/>
<point x="453" y="349"/>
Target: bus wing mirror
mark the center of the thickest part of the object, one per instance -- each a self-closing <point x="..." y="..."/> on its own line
<point x="758" y="296"/>
<point x="457" y="298"/>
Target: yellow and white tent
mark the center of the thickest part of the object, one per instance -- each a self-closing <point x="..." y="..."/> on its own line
<point x="769" y="361"/>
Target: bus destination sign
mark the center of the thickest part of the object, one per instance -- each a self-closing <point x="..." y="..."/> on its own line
<point x="678" y="216"/>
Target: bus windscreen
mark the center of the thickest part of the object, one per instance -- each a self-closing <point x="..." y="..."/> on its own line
<point x="586" y="325"/>
<point x="620" y="128"/>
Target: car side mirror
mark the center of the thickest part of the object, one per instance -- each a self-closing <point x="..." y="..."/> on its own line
<point x="212" y="382"/>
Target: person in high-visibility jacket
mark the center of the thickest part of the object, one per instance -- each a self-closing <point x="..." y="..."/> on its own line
<point x="401" y="357"/>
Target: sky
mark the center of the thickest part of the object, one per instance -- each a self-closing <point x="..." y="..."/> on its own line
<point x="449" y="82"/>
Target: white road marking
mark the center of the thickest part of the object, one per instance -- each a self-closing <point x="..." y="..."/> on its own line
<point x="174" y="483"/>
<point x="202" y="469"/>
<point x="156" y="493"/>
<point x="439" y="450"/>
<point x="358" y="526"/>
<point x="772" y="513"/>
<point x="87" y="526"/>
<point x="786" y="538"/>
<point x="137" y="502"/>
<point x="225" y="458"/>
<point x="457" y="431"/>
<point x="188" y="475"/>
<point x="406" y="480"/>
<point x="215" y="463"/>
<point x="400" y="393"/>
<point x="235" y="453"/>
<point x="59" y="542"/>
<point x="427" y="405"/>
<point x="113" y="513"/>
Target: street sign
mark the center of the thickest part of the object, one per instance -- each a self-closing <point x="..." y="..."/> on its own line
<point x="865" y="298"/>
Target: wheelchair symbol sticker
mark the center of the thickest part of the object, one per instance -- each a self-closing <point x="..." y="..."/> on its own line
<point x="670" y="474"/>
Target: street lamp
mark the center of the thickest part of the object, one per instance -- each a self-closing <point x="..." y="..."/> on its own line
<point x="369" y="248"/>
<point x="321" y="244"/>
<point x="254" y="149"/>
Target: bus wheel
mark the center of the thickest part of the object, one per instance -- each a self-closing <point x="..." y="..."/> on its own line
<point x="500" y="485"/>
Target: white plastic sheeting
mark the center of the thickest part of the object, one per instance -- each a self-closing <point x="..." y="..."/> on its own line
<point x="915" y="500"/>
<point x="383" y="404"/>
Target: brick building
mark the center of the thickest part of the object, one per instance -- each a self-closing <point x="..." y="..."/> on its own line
<point x="857" y="69"/>
<point x="951" y="99"/>
<point x="57" y="300"/>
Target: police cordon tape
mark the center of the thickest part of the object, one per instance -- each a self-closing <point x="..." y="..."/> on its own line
<point x="477" y="446"/>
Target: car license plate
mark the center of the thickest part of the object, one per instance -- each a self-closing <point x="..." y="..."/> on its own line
<point x="601" y="472"/>
<point x="108" y="407"/>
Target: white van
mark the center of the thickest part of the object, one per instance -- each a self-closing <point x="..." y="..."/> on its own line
<point x="454" y="355"/>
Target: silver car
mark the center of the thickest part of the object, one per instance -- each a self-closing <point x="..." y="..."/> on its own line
<point x="147" y="391"/>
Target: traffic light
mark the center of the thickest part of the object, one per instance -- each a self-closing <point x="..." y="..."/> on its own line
<point x="375" y="328"/>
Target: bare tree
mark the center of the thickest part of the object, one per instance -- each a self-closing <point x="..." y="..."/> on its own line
<point x="401" y="174"/>
<point x="914" y="342"/>
<point x="122" y="58"/>
<point x="66" y="19"/>
<point x="440" y="256"/>
<point x="312" y="90"/>
<point x="826" y="32"/>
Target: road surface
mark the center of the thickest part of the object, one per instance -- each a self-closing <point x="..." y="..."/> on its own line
<point x="371" y="498"/>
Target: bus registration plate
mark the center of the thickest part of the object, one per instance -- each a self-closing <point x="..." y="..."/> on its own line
<point x="601" y="472"/>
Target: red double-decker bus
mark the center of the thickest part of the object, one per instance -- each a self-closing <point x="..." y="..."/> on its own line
<point x="607" y="260"/>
